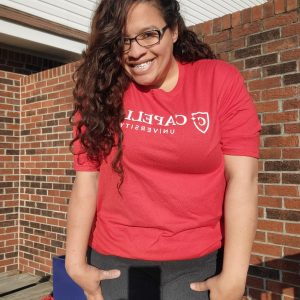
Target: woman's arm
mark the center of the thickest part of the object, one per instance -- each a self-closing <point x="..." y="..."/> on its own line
<point x="81" y="213"/>
<point x="240" y="215"/>
<point x="240" y="210"/>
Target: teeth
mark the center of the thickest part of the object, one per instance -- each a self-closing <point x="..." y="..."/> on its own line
<point x="143" y="65"/>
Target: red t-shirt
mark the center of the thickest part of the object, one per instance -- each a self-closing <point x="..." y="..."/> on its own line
<point x="171" y="200"/>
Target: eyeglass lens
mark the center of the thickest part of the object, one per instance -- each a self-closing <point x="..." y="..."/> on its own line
<point x="145" y="39"/>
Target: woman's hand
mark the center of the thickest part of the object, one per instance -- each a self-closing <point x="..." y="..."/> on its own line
<point x="88" y="278"/>
<point x="221" y="287"/>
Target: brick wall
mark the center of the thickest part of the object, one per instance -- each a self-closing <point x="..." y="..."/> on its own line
<point x="263" y="42"/>
<point x="46" y="167"/>
<point x="9" y="169"/>
<point x="22" y="61"/>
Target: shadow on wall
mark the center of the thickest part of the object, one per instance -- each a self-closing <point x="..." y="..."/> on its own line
<point x="274" y="278"/>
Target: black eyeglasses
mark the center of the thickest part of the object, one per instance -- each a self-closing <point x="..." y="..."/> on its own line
<point x="145" y="39"/>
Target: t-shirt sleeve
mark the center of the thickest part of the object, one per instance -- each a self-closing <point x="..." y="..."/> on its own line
<point x="81" y="162"/>
<point x="239" y="124"/>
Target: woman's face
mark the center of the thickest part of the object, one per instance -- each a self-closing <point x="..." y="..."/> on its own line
<point x="155" y="66"/>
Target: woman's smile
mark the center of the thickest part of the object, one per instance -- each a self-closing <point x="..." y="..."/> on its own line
<point x="143" y="66"/>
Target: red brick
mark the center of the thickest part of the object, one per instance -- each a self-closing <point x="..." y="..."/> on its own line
<point x="223" y="47"/>
<point x="291" y="153"/>
<point x="270" y="201"/>
<point x="280" y="20"/>
<point x="251" y="73"/>
<point x="268" y="9"/>
<point x="52" y="81"/>
<point x="292" y="128"/>
<point x="262" y="84"/>
<point x="293" y="228"/>
<point x="52" y="221"/>
<point x="6" y="262"/>
<point x="65" y="78"/>
<point x="291" y="203"/>
<point x="236" y="19"/>
<point x="280" y="117"/>
<point x="226" y="22"/>
<point x="257" y="12"/>
<point x="260" y="236"/>
<point x="282" y="190"/>
<point x="51" y="96"/>
<point x="266" y="106"/>
<point x="284" y="240"/>
<point x="279" y="6"/>
<point x="41" y="84"/>
<point x="246" y="15"/>
<point x="14" y="76"/>
<point x="263" y="295"/>
<point x="256" y="259"/>
<point x="217" y="24"/>
<point x="256" y="95"/>
<point x="244" y="30"/>
<point x="205" y="28"/>
<point x="279" y="93"/>
<point x="282" y="44"/>
<point x="270" y="225"/>
<point x="291" y="5"/>
<point x="290" y="30"/>
<point x="291" y="253"/>
<point x="216" y="38"/>
<point x="261" y="212"/>
<point x="267" y="249"/>
<point x="291" y="104"/>
<point x="293" y="54"/>
<point x="58" y="87"/>
<point x="198" y="28"/>
<point x="281" y="141"/>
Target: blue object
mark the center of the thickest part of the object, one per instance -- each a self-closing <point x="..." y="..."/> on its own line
<point x="64" y="288"/>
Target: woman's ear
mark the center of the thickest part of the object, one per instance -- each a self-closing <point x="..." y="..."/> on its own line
<point x="174" y="34"/>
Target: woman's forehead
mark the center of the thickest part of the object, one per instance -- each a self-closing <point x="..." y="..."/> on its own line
<point x="141" y="17"/>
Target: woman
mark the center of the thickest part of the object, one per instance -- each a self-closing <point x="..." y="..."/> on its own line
<point x="174" y="134"/>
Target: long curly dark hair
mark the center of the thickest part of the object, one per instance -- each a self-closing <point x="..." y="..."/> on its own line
<point x="101" y="80"/>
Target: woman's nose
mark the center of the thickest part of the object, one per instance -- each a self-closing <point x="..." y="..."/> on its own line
<point x="136" y="50"/>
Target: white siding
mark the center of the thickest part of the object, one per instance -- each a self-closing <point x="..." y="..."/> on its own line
<point x="77" y="13"/>
<point x="39" y="38"/>
<point x="72" y="13"/>
<point x="199" y="11"/>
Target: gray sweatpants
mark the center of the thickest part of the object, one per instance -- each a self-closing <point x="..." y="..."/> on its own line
<point x="156" y="280"/>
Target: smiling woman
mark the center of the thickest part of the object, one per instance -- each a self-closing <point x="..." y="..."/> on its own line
<point x="165" y="147"/>
<point x="152" y="66"/>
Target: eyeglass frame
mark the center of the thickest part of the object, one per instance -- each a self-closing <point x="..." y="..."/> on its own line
<point x="160" y="32"/>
